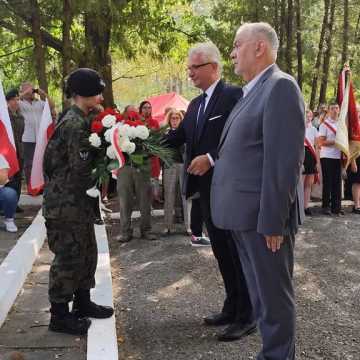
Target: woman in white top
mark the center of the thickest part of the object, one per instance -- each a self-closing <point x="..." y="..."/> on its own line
<point x="310" y="160"/>
<point x="8" y="197"/>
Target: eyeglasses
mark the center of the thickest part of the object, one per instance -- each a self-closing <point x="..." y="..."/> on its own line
<point x="197" y="66"/>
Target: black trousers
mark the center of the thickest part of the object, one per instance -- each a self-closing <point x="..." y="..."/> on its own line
<point x="237" y="302"/>
<point x="331" y="194"/>
<point x="196" y="219"/>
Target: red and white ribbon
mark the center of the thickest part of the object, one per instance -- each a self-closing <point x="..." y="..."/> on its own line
<point x="115" y="142"/>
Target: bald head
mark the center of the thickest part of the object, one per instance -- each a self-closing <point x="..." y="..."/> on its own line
<point x="255" y="48"/>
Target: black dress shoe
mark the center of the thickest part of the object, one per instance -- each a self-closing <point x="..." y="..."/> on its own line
<point x="237" y="331"/>
<point x="219" y="319"/>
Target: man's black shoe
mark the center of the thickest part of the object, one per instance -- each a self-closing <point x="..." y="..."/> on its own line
<point x="69" y="324"/>
<point x="219" y="319"/>
<point x="19" y="209"/>
<point x="338" y="213"/>
<point x="326" y="211"/>
<point x="236" y="331"/>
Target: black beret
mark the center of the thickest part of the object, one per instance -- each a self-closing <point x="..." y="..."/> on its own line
<point x="84" y="82"/>
<point x="13" y="93"/>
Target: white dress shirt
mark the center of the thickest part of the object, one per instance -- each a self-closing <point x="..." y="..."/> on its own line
<point x="32" y="112"/>
<point x="209" y="91"/>
<point x="246" y="89"/>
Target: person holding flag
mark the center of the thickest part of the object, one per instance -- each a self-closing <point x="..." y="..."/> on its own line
<point x="9" y="165"/>
<point x="330" y="159"/>
<point x="310" y="173"/>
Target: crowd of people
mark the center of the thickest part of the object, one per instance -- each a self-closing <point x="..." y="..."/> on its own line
<point x="230" y="173"/>
<point x="323" y="163"/>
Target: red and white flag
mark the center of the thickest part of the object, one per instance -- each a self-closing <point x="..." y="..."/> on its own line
<point x="348" y="131"/>
<point x="45" y="131"/>
<point x="7" y="142"/>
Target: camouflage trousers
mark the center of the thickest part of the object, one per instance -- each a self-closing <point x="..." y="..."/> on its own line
<point x="75" y="261"/>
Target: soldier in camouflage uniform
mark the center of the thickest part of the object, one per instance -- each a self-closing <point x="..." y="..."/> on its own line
<point x="17" y="123"/>
<point x="69" y="211"/>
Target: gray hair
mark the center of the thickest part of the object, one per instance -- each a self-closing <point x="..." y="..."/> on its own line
<point x="263" y="30"/>
<point x="209" y="52"/>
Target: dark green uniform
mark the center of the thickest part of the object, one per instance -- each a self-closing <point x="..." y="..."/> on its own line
<point x="17" y="124"/>
<point x="68" y="210"/>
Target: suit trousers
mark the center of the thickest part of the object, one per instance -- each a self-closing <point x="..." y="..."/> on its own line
<point x="269" y="278"/>
<point x="133" y="182"/>
<point x="237" y="302"/>
<point x="173" y="180"/>
<point x="29" y="150"/>
<point x="196" y="219"/>
<point x="331" y="172"/>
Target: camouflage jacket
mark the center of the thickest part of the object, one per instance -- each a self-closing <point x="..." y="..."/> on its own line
<point x="17" y="124"/>
<point x="67" y="170"/>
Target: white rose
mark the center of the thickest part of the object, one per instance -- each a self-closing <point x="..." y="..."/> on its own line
<point x="107" y="134"/>
<point x="142" y="132"/>
<point x="131" y="148"/>
<point x="110" y="152"/>
<point x="95" y="140"/>
<point x="127" y="146"/>
<point x="108" y="121"/>
<point x="126" y="131"/>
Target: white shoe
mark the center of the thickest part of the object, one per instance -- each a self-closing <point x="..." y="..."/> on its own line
<point x="10" y="225"/>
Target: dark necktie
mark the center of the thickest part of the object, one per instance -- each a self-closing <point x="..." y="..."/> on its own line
<point x="201" y="117"/>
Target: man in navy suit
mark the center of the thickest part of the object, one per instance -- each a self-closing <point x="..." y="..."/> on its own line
<point x="201" y="130"/>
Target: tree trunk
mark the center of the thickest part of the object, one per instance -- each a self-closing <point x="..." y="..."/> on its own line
<point x="282" y="34"/>
<point x="327" y="54"/>
<point x="276" y="16"/>
<point x="289" y="36"/>
<point x="98" y="23"/>
<point x="39" y="50"/>
<point x="66" y="54"/>
<point x="316" y="72"/>
<point x="345" y="49"/>
<point x="299" y="51"/>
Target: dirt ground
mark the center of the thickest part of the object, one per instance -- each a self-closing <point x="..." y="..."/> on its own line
<point x="164" y="288"/>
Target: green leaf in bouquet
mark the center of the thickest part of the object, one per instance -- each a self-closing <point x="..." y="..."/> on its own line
<point x="137" y="159"/>
<point x="113" y="164"/>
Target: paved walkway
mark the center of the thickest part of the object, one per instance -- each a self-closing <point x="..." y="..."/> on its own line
<point x="25" y="329"/>
<point x="164" y="288"/>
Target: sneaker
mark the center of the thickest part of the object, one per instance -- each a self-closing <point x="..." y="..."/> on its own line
<point x="200" y="241"/>
<point x="10" y="225"/>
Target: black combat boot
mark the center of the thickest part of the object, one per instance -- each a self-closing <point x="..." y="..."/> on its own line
<point x="65" y="322"/>
<point x="84" y="307"/>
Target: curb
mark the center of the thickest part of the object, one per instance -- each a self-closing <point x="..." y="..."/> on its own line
<point x="101" y="339"/>
<point x="136" y="214"/>
<point x="26" y="200"/>
<point x="18" y="263"/>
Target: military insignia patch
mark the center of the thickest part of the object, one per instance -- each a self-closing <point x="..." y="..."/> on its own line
<point x="84" y="155"/>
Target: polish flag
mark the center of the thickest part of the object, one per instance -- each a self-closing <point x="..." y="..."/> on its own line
<point x="45" y="131"/>
<point x="7" y="143"/>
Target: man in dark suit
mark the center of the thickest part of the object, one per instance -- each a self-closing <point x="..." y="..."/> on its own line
<point x="256" y="179"/>
<point x="201" y="130"/>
